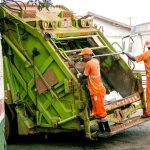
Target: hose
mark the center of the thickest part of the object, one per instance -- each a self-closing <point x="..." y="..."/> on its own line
<point x="14" y="30"/>
<point x="23" y="4"/>
<point x="9" y="1"/>
<point x="5" y="3"/>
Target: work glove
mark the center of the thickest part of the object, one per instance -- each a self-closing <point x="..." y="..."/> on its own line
<point x="79" y="75"/>
<point x="124" y="52"/>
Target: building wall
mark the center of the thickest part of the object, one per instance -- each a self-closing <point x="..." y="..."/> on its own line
<point x="114" y="33"/>
<point x="2" y="120"/>
<point x="110" y="29"/>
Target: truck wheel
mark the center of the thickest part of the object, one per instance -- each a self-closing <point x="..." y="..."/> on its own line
<point x="10" y="127"/>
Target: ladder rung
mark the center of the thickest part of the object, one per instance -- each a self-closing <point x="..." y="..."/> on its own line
<point x="79" y="50"/>
<point x="76" y="37"/>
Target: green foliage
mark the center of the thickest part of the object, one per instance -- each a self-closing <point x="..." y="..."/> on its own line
<point x="41" y="4"/>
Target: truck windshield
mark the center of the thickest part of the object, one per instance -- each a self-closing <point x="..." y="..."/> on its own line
<point x="137" y="46"/>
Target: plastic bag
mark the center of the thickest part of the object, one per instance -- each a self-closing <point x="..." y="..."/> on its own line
<point x="112" y="96"/>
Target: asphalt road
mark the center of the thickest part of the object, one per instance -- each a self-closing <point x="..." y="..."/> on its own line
<point x="135" y="138"/>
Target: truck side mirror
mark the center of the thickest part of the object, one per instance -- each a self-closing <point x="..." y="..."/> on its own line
<point x="130" y="46"/>
<point x="123" y="45"/>
<point x="144" y="48"/>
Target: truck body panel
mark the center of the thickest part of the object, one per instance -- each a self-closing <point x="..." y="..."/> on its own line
<point x="42" y="91"/>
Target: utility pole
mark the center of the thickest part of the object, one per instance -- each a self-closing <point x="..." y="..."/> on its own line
<point x="130" y="19"/>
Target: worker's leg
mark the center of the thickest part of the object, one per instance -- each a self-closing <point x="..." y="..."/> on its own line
<point x="99" y="103"/>
<point x="107" y="129"/>
<point x="148" y="97"/>
<point x="98" y="100"/>
<point x="94" y="110"/>
<point x="100" y="107"/>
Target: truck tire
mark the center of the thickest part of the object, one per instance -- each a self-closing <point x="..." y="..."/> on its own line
<point x="10" y="127"/>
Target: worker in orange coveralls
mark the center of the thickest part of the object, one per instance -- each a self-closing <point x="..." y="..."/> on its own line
<point x="97" y="91"/>
<point x="145" y="56"/>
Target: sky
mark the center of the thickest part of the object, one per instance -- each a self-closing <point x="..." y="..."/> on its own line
<point x="118" y="10"/>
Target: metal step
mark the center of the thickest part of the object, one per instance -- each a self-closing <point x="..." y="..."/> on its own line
<point x="116" y="128"/>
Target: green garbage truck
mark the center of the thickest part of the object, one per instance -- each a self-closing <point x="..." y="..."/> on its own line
<point x="41" y="62"/>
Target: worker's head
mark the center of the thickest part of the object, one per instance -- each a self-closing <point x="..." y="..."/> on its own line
<point x="86" y="54"/>
<point x="147" y="43"/>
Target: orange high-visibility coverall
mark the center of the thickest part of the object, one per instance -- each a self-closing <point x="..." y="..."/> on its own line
<point x="145" y="56"/>
<point x="96" y="88"/>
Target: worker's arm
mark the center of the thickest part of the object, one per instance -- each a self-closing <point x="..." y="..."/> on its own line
<point x="84" y="76"/>
<point x="80" y="76"/>
<point x="130" y="56"/>
<point x="86" y="72"/>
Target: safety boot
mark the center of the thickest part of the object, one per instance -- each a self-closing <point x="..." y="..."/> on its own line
<point x="145" y="116"/>
<point x="106" y="125"/>
<point x="107" y="132"/>
<point x="98" y="132"/>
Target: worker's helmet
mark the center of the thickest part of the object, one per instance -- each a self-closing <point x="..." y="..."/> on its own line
<point x="86" y="51"/>
<point x="147" y="43"/>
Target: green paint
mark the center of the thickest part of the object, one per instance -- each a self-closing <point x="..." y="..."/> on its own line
<point x="108" y="61"/>
<point x="3" y="145"/>
<point x="62" y="104"/>
<point x="104" y="64"/>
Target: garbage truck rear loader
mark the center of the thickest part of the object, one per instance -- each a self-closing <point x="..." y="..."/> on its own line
<point x="42" y="93"/>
